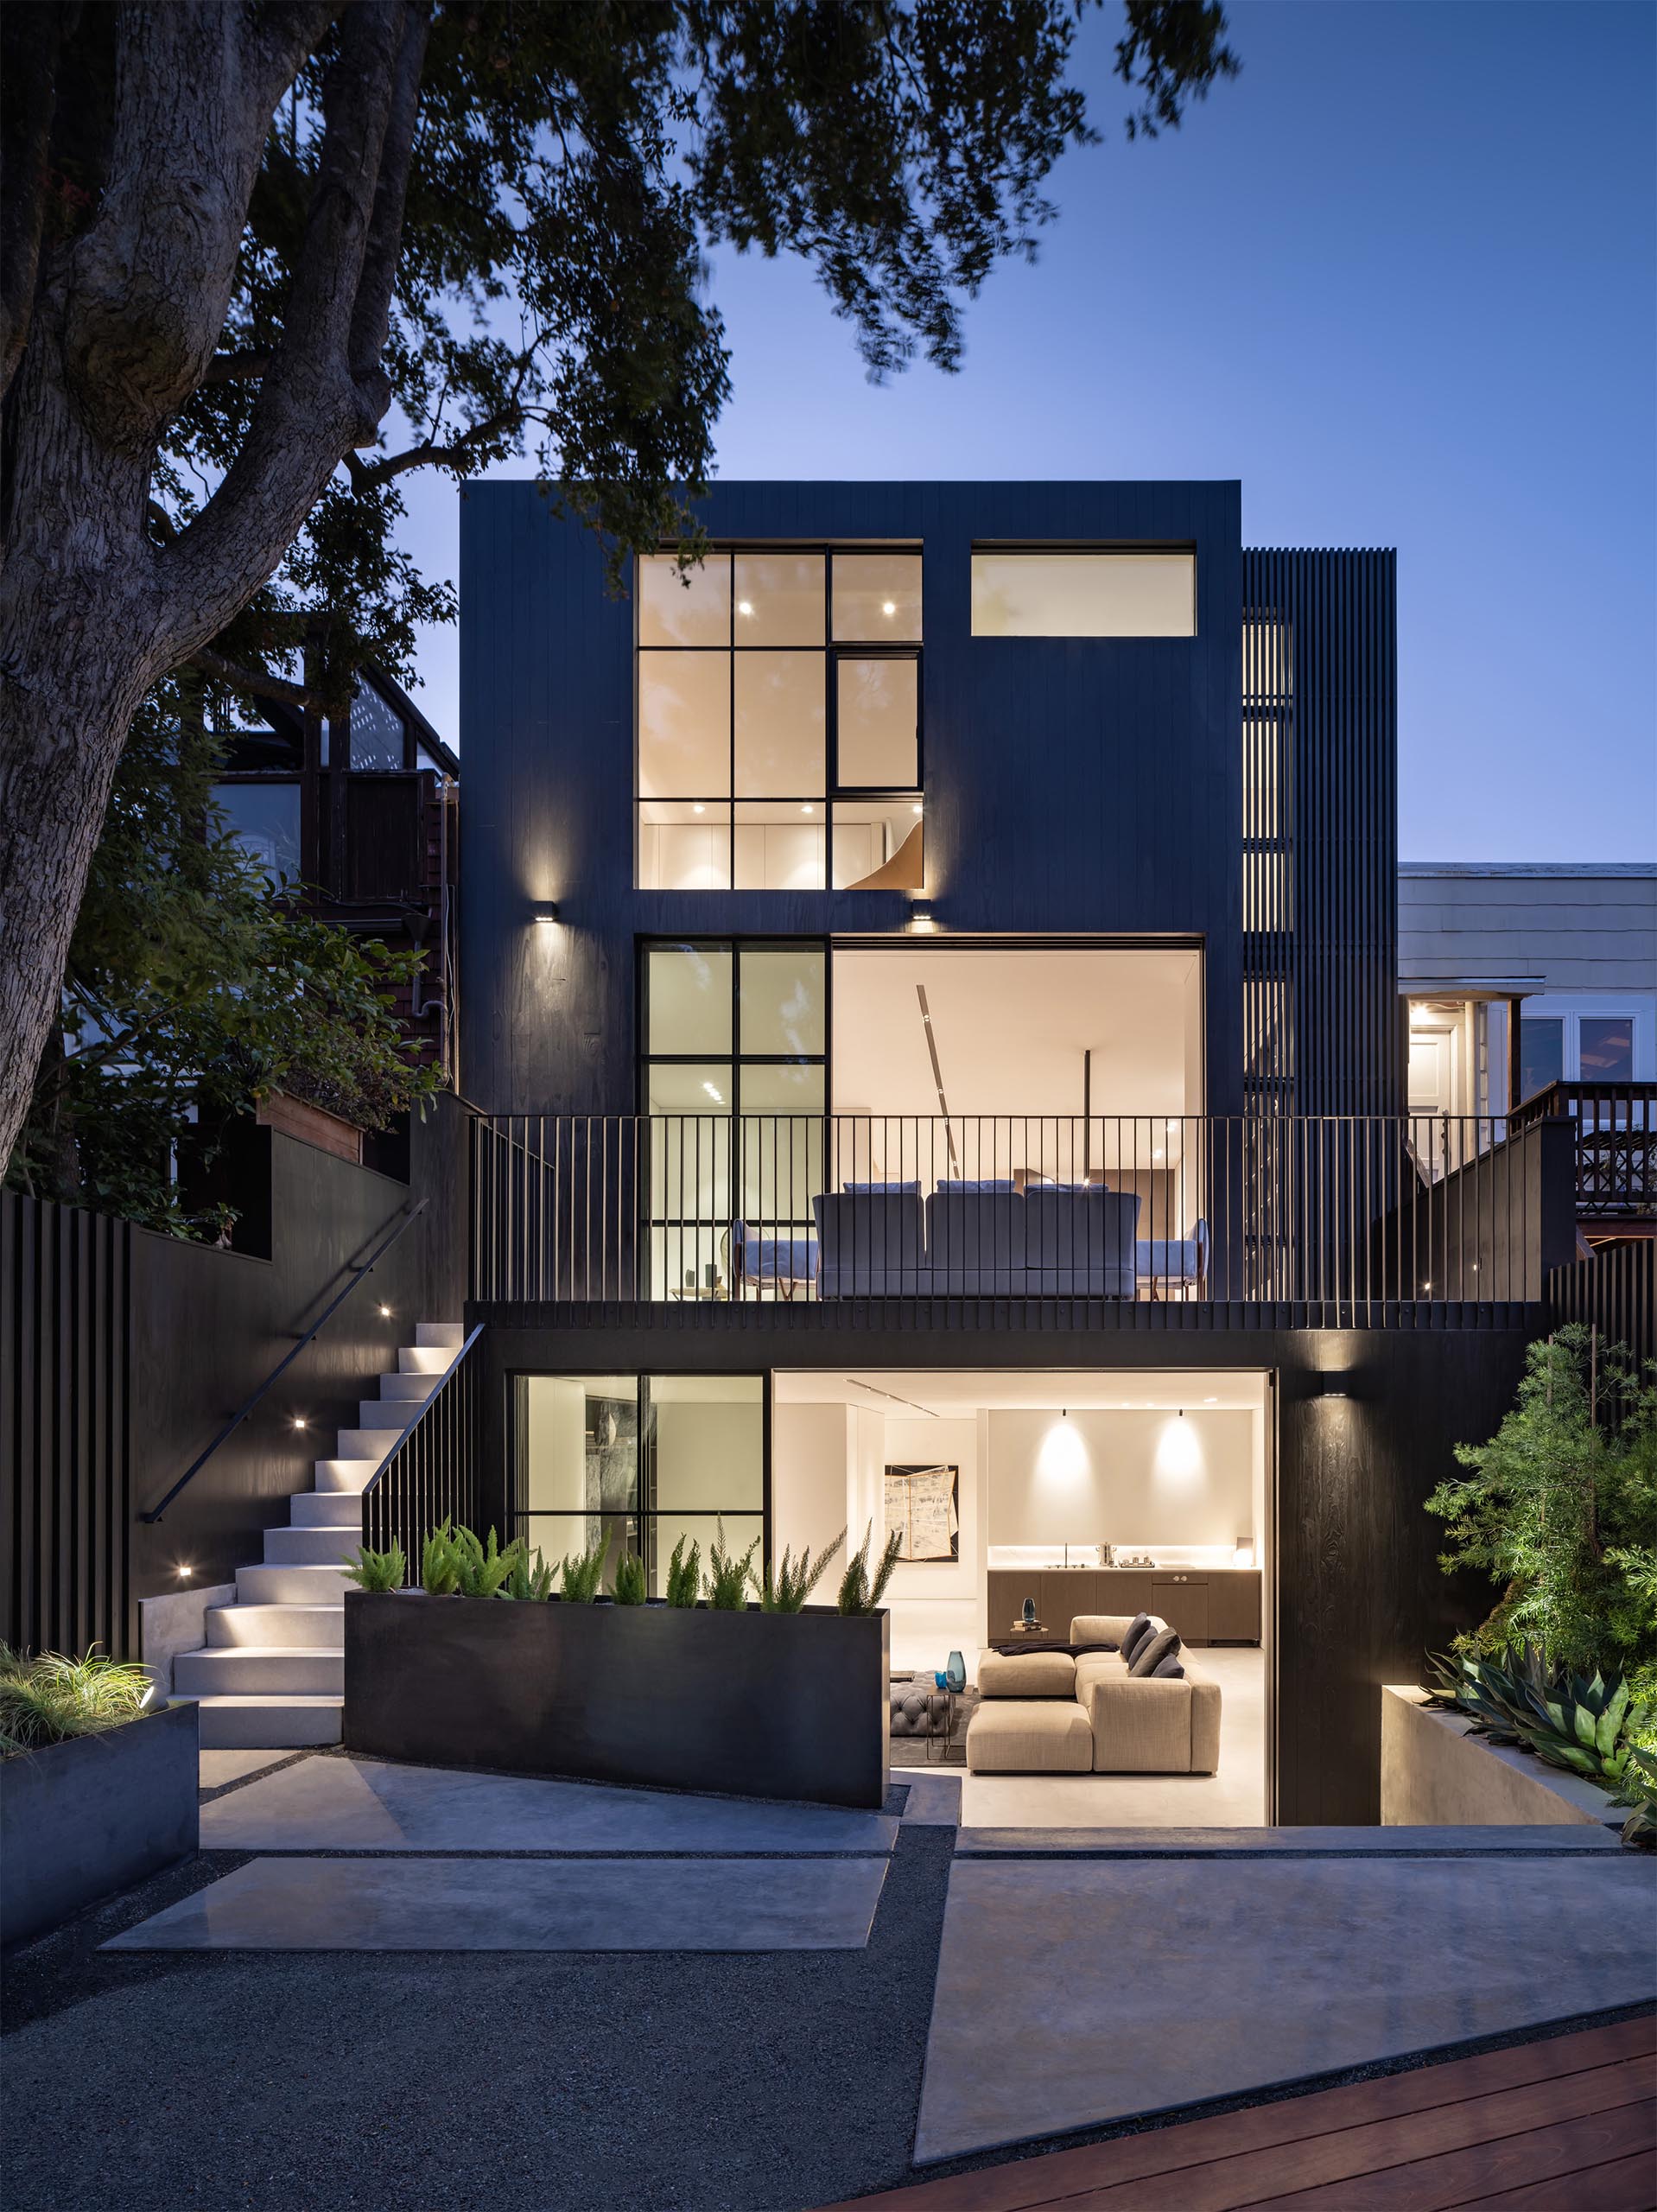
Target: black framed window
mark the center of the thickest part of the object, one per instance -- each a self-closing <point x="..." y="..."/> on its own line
<point x="779" y="720"/>
<point x="733" y="1073"/>
<point x="1541" y="1052"/>
<point x="642" y="1460"/>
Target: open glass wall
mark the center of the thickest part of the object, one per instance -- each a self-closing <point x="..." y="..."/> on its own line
<point x="641" y="1461"/>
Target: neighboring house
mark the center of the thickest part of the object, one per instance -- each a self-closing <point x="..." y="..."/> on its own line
<point x="1531" y="988"/>
<point x="363" y="809"/>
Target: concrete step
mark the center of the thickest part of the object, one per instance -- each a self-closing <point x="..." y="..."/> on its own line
<point x="309" y="1547"/>
<point x="326" y="1509"/>
<point x="424" y="1359"/>
<point x="249" y="1670"/>
<point x="346" y="1474"/>
<point x="290" y="1585"/>
<point x="368" y="1443"/>
<point x="271" y="1627"/>
<point x="406" y="1389"/>
<point x="270" y="1722"/>
<point x="392" y="1414"/>
<point x="452" y="1333"/>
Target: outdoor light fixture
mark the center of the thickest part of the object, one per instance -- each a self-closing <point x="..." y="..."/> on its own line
<point x="385" y="1312"/>
<point x="184" y="1575"/>
<point x="1333" y="1385"/>
<point x="545" y="910"/>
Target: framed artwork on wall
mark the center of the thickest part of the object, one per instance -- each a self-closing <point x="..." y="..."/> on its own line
<point x="924" y="1502"/>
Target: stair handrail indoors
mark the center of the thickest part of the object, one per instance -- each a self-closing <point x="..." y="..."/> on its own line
<point x="282" y="1366"/>
<point x="423" y="1406"/>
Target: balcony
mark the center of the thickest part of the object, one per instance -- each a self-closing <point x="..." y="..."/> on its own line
<point x="1142" y="1220"/>
<point x="1616" y="1145"/>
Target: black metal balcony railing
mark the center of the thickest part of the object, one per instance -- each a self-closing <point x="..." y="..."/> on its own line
<point x="1340" y="1213"/>
<point x="1617" y="1143"/>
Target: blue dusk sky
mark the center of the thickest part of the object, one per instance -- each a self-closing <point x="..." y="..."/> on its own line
<point x="1400" y="278"/>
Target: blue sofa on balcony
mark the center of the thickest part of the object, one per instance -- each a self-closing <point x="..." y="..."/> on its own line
<point x="971" y="1239"/>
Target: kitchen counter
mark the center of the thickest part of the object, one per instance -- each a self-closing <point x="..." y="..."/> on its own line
<point x="1207" y="1604"/>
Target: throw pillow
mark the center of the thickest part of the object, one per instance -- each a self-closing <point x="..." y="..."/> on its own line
<point x="1138" y="1628"/>
<point x="1168" y="1669"/>
<point x="1164" y="1644"/>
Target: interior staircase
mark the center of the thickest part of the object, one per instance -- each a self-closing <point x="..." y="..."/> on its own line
<point x="271" y="1673"/>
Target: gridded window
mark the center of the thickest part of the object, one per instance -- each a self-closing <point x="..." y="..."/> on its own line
<point x="771" y="684"/>
<point x="640" y="1462"/>
<point x="733" y="1078"/>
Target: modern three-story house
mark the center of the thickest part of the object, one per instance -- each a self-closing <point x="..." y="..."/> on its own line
<point x="929" y="983"/>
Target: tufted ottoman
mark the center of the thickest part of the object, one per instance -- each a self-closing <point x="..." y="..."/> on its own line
<point x="918" y="1707"/>
<point x="1048" y="1735"/>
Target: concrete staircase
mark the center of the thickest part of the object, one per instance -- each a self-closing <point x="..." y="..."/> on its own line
<point x="271" y="1673"/>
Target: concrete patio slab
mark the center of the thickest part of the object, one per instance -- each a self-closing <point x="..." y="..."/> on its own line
<point x="523" y="1904"/>
<point x="933" y="1800"/>
<point x="1072" y="1992"/>
<point x="219" y="1768"/>
<point x="345" y="1804"/>
<point x="1555" y="1838"/>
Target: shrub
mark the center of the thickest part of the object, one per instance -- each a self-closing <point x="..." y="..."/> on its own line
<point x="858" y="1592"/>
<point x="580" y="1574"/>
<point x="795" y="1580"/>
<point x="729" y="1574"/>
<point x="376" y="1570"/>
<point x="684" y="1574"/>
<point x="52" y="1697"/>
<point x="629" y="1587"/>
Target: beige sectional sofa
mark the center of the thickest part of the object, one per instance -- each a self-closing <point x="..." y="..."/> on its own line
<point x="1048" y="1712"/>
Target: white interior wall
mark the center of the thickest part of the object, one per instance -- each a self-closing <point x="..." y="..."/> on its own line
<point x="1124" y="1477"/>
<point x="554" y="1455"/>
<point x="810" y="1472"/>
<point x="937" y="1608"/>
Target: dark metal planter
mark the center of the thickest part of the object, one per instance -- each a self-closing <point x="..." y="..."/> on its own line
<point x="82" y="1820"/>
<point x="748" y="1704"/>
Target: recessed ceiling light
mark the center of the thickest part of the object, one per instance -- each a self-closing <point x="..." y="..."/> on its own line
<point x="806" y="808"/>
<point x="889" y="606"/>
<point x="698" y="808"/>
<point x="916" y="810"/>
<point x="744" y="606"/>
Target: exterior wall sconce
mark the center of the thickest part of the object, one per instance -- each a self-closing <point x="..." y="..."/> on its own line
<point x="385" y="1312"/>
<point x="184" y="1574"/>
<point x="544" y="910"/>
<point x="1333" y="1384"/>
<point x="299" y="1420"/>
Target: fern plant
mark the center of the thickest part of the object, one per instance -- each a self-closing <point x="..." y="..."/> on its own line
<point x="729" y="1574"/>
<point x="51" y="1697"/>
<point x="482" y="1570"/>
<point x="580" y="1575"/>
<point x="860" y="1591"/>
<point x="440" y="1571"/>
<point x="629" y="1587"/>
<point x="528" y="1585"/>
<point x="684" y="1574"/>
<point x="377" y="1571"/>
<point x="794" y="1580"/>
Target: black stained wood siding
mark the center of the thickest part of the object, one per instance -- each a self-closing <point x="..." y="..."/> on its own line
<point x="1073" y="786"/>
<point x="65" y="1461"/>
<point x="1355" y="1594"/>
<point x="1341" y="1053"/>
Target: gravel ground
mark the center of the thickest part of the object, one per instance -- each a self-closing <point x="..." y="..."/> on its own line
<point x="327" y="2081"/>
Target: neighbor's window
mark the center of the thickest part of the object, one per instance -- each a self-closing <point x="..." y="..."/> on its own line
<point x="1059" y="594"/>
<point x="264" y="819"/>
<point x="768" y="684"/>
<point x="1541" y="1051"/>
<point x="1605" y="1044"/>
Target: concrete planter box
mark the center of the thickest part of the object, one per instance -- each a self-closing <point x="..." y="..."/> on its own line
<point x="1435" y="1772"/>
<point x="82" y="1820"/>
<point x="748" y="1705"/>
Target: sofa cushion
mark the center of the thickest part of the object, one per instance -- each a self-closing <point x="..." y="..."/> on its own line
<point x="1168" y="1669"/>
<point x="1137" y="1629"/>
<point x="1015" y="1736"/>
<point x="1026" y="1673"/>
<point x="1151" y="1650"/>
<point x="881" y="1190"/>
<point x="989" y="1186"/>
<point x="1102" y="1632"/>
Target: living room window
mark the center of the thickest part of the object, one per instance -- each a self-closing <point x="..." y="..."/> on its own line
<point x="779" y="720"/>
<point x="1064" y="592"/>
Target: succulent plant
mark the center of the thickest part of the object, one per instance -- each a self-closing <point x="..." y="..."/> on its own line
<point x="1580" y="1725"/>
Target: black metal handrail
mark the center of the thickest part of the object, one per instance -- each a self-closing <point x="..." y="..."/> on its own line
<point x="431" y="1472"/>
<point x="423" y="1406"/>
<point x="283" y="1365"/>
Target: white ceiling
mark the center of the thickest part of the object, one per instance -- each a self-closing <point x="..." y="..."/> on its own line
<point x="1011" y="1028"/>
<point x="951" y="1392"/>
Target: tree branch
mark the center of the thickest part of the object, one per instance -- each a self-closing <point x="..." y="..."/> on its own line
<point x="366" y="475"/>
<point x="253" y="680"/>
<point x="237" y="368"/>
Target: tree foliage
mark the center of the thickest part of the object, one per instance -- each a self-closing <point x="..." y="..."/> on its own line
<point x="1560" y="1508"/>
<point x="195" y="987"/>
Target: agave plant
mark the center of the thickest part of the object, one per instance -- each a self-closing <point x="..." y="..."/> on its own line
<point x="1581" y="1725"/>
<point x="860" y="1591"/>
<point x="530" y="1584"/>
<point x="482" y="1570"/>
<point x="580" y="1575"/>
<point x="728" y="1574"/>
<point x="52" y="1696"/>
<point x="378" y="1571"/>
<point x="684" y="1574"/>
<point x="794" y="1580"/>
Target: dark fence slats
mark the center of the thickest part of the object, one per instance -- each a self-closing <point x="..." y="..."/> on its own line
<point x="433" y="1473"/>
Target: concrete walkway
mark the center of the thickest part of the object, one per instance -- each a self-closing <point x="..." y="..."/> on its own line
<point x="1078" y="1989"/>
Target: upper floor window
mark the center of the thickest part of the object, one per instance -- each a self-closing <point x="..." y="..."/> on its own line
<point x="779" y="720"/>
<point x="1075" y="594"/>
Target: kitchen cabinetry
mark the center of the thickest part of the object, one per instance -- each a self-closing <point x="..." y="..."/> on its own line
<point x="1206" y="1605"/>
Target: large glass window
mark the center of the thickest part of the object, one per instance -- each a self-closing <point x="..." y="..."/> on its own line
<point x="642" y="1460"/>
<point x="759" y="701"/>
<point x="1605" y="1046"/>
<point x="1541" y="1051"/>
<point x="1061" y="595"/>
<point x="733" y="1078"/>
<point x="264" y="819"/>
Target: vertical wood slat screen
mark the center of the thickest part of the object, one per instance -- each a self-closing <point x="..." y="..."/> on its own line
<point x="1615" y="1292"/>
<point x="65" y="1507"/>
